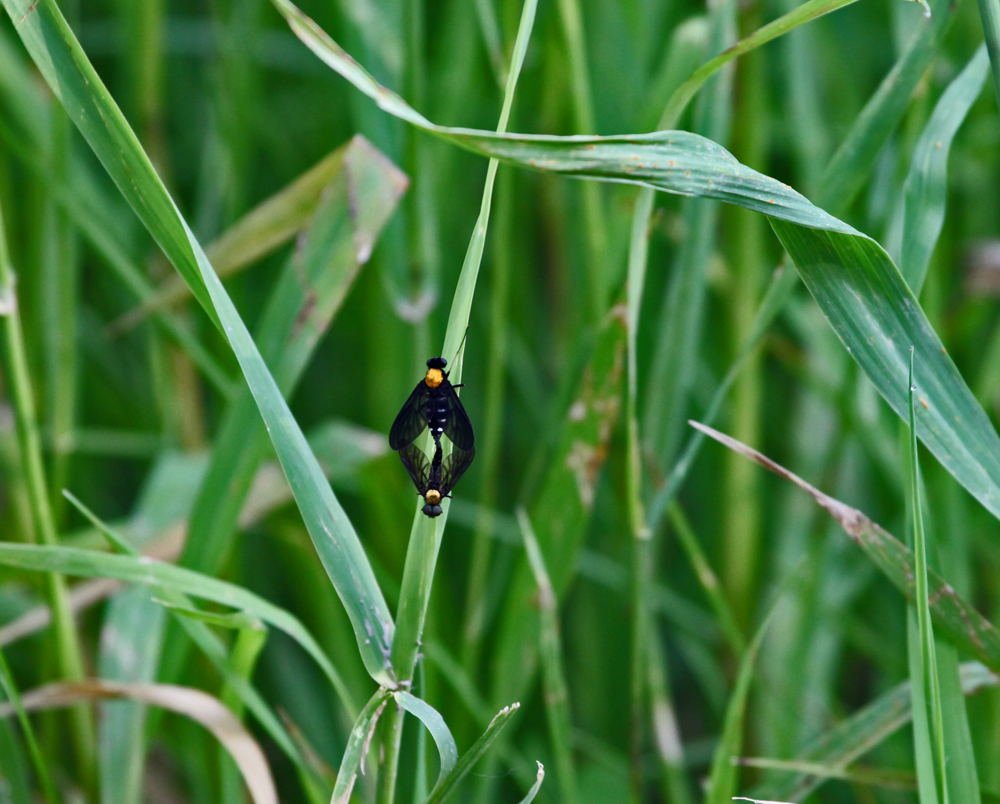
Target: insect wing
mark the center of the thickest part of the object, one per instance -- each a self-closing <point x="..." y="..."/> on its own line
<point x="417" y="465"/>
<point x="458" y="427"/>
<point x="411" y="420"/>
<point x="454" y="467"/>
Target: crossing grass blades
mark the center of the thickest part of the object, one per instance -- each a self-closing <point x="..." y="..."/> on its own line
<point x="434" y="404"/>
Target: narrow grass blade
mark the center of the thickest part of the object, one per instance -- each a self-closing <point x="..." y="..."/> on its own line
<point x="804" y="13"/>
<point x="73" y="79"/>
<point x="357" y="746"/>
<point x="850" y="166"/>
<point x="723" y="777"/>
<point x="426" y="534"/>
<point x="989" y="13"/>
<point x="446" y="785"/>
<point x="536" y="786"/>
<point x="13" y="697"/>
<point x="929" y="740"/>
<point x="431" y="718"/>
<point x="130" y="652"/>
<point x="201" y="707"/>
<point x="926" y="187"/>
<point x="555" y="692"/>
<point x="964" y="626"/>
<point x="862" y="732"/>
<point x="142" y="570"/>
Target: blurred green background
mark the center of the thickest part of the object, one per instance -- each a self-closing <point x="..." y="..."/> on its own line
<point x="135" y="403"/>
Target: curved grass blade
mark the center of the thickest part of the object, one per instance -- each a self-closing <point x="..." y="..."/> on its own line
<point x="65" y="67"/>
<point x="926" y="188"/>
<point x="143" y="570"/>
<point x="201" y="707"/>
<point x="431" y="718"/>
<point x="357" y="746"/>
<point x="536" y="786"/>
<point x="965" y="627"/>
<point x="447" y="784"/>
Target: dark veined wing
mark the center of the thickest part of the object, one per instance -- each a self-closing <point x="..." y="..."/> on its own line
<point x="411" y="420"/>
<point x="417" y="465"/>
<point x="454" y="467"/>
<point x="458" y="427"/>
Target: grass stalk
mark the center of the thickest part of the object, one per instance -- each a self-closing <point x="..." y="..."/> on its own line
<point x="12" y="694"/>
<point x="927" y="688"/>
<point x="747" y="262"/>
<point x="642" y="548"/>
<point x="425" y="536"/>
<point x="68" y="648"/>
<point x="989" y="13"/>
<point x="492" y="429"/>
<point x="555" y="691"/>
<point x="571" y="18"/>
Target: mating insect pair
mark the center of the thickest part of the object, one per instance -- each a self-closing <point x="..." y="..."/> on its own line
<point x="434" y="404"/>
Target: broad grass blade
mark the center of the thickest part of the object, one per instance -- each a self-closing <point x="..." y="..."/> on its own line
<point x="431" y="718"/>
<point x="965" y="627"/>
<point x="66" y="69"/>
<point x="878" y="318"/>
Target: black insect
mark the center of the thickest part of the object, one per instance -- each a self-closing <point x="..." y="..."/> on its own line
<point x="435" y="479"/>
<point x="433" y="404"/>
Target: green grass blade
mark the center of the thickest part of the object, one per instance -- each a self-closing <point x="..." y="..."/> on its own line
<point x="446" y="785"/>
<point x="723" y="777"/>
<point x="555" y="691"/>
<point x="929" y="740"/>
<point x="989" y="13"/>
<point x="964" y="626"/>
<point x="807" y="12"/>
<point x="66" y="68"/>
<point x="426" y="534"/>
<point x="132" y="569"/>
<point x="878" y="318"/>
<point x="357" y="746"/>
<point x="536" y="786"/>
<point x="926" y="187"/>
<point x="850" y="166"/>
<point x="11" y="693"/>
<point x="431" y="718"/>
<point x="862" y="732"/>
